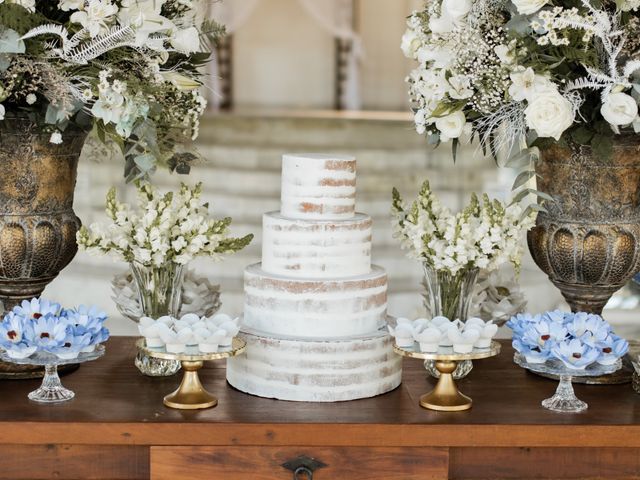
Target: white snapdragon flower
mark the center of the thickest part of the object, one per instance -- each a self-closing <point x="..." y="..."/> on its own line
<point x="529" y="7"/>
<point x="451" y="126"/>
<point x="96" y="17"/>
<point x="619" y="109"/>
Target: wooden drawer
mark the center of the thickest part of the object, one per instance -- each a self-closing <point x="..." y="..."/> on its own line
<point x="265" y="463"/>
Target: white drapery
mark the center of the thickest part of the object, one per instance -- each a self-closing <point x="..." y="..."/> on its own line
<point x="335" y="16"/>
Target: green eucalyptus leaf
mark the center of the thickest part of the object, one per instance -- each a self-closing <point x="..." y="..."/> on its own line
<point x="522" y="179"/>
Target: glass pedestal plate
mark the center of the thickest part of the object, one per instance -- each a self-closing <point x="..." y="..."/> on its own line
<point x="565" y="400"/>
<point x="191" y="395"/>
<point x="445" y="396"/>
<point x="52" y="390"/>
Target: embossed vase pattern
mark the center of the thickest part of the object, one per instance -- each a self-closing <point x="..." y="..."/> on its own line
<point x="588" y="242"/>
<point x="37" y="222"/>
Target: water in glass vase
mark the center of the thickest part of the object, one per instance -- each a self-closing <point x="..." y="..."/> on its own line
<point x="450" y="295"/>
<point x="159" y="293"/>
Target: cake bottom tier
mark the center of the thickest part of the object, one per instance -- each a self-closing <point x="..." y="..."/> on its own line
<point x="316" y="371"/>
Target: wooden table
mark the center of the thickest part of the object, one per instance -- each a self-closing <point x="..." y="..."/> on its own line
<point x="117" y="428"/>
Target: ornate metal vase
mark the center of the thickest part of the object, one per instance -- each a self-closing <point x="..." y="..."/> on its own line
<point x="37" y="222"/>
<point x="588" y="243"/>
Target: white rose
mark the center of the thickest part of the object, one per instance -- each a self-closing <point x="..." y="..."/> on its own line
<point x="410" y="43"/>
<point x="442" y="24"/>
<point x="456" y="8"/>
<point x="619" y="109"/>
<point x="186" y="40"/>
<point x="451" y="126"/>
<point x="549" y="114"/>
<point x="527" y="7"/>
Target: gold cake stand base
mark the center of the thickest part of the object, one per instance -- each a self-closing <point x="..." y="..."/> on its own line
<point x="446" y="397"/>
<point x="191" y="395"/>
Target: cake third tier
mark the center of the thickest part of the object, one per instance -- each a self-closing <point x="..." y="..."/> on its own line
<point x="316" y="248"/>
<point x="309" y="308"/>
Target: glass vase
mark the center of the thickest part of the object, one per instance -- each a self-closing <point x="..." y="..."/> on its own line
<point x="159" y="293"/>
<point x="450" y="295"/>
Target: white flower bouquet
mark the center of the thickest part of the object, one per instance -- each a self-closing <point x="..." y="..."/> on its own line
<point x="128" y="69"/>
<point x="485" y="235"/>
<point x="166" y="228"/>
<point x="525" y="73"/>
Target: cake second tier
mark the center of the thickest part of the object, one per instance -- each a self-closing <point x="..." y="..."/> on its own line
<point x="311" y="308"/>
<point x="316" y="248"/>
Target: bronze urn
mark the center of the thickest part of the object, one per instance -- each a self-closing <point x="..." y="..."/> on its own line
<point x="588" y="243"/>
<point x="37" y="222"/>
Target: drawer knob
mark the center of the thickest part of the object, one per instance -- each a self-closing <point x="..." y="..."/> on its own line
<point x="303" y="467"/>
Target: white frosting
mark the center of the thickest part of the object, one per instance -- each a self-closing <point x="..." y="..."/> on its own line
<point x="317" y="186"/>
<point x="321" y="371"/>
<point x="316" y="249"/>
<point x="308" y="308"/>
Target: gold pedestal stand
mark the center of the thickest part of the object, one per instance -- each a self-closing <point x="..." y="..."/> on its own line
<point x="191" y="395"/>
<point x="446" y="397"/>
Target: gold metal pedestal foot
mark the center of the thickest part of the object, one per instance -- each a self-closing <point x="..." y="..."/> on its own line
<point x="190" y="395"/>
<point x="446" y="397"/>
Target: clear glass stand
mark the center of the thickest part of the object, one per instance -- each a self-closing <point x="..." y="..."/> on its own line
<point x="52" y="390"/>
<point x="565" y="400"/>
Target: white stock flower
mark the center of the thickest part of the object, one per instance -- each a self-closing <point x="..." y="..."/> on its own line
<point x="549" y="114"/>
<point x="619" y="109"/>
<point x="528" y="7"/>
<point x="451" y="126"/>
<point x="186" y="40"/>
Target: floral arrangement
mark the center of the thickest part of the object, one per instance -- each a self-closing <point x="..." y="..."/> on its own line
<point x="442" y="332"/>
<point x="575" y="339"/>
<point x="166" y="228"/>
<point x="127" y="68"/>
<point x="484" y="235"/>
<point x="208" y="334"/>
<point x="198" y="295"/>
<point x="525" y="73"/>
<point x="41" y="326"/>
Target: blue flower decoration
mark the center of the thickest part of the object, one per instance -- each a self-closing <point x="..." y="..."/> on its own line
<point x="49" y="333"/>
<point x="13" y="330"/>
<point x="574" y="354"/>
<point x="36" y="308"/>
<point x="576" y="339"/>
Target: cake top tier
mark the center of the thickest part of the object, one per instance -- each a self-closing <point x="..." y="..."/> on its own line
<point x="318" y="186"/>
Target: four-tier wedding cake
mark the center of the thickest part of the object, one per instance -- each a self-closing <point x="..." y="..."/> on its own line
<point x="315" y="308"/>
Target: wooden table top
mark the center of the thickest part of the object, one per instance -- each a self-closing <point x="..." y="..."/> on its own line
<point x="114" y="404"/>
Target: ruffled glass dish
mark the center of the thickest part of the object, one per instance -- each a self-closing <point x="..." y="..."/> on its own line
<point x="52" y="390"/>
<point x="565" y="400"/>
